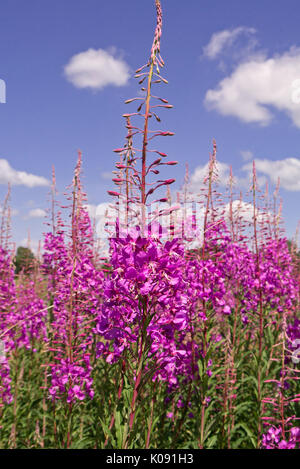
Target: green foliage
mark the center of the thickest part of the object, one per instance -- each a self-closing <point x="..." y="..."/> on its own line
<point x="24" y="260"/>
<point x="206" y="420"/>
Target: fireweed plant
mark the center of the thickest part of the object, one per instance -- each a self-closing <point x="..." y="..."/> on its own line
<point x="186" y="334"/>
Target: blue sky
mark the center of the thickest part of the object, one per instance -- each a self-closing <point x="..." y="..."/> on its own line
<point x="234" y="75"/>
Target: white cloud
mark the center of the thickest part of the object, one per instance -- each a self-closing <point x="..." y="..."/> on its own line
<point x="247" y="155"/>
<point x="101" y="213"/>
<point x="19" y="178"/>
<point x="287" y="170"/>
<point x="258" y="84"/>
<point x="242" y="177"/>
<point x="97" y="211"/>
<point x="96" y="69"/>
<point x="201" y="172"/>
<point x="244" y="211"/>
<point x="223" y="39"/>
<point x="37" y="213"/>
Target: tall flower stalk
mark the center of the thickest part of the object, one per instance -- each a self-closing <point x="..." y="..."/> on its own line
<point x="150" y="73"/>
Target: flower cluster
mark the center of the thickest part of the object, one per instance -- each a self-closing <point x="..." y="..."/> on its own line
<point x="22" y="319"/>
<point x="75" y="296"/>
<point x="73" y="380"/>
<point x="273" y="439"/>
<point x="147" y="292"/>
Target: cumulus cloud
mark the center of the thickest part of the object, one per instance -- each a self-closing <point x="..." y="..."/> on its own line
<point x="244" y="211"/>
<point x="198" y="176"/>
<point x="287" y="170"/>
<point x="258" y="85"/>
<point x="105" y="215"/>
<point x="242" y="177"/>
<point x="100" y="214"/>
<point x="97" y="211"/>
<point x="19" y="178"/>
<point x="223" y="39"/>
<point x="37" y="213"/>
<point x="247" y="155"/>
<point x="96" y="69"/>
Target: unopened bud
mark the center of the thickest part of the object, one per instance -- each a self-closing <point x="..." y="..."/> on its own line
<point x="113" y="193"/>
<point x="156" y="161"/>
<point x="169" y="181"/>
<point x="118" y="150"/>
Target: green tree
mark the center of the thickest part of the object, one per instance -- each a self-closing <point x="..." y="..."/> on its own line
<point x="24" y="260"/>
